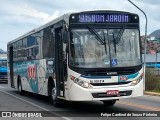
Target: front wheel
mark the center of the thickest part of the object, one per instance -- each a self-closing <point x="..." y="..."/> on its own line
<point x="54" y="99"/>
<point x="109" y="102"/>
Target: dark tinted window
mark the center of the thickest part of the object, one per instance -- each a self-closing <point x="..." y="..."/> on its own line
<point x="28" y="48"/>
<point x="33" y="45"/>
<point x="24" y="43"/>
<point x="48" y="43"/>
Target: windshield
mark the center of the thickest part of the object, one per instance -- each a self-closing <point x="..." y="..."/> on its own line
<point x="102" y="48"/>
<point x="3" y="63"/>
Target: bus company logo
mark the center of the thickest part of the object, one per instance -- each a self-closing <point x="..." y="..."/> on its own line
<point x="31" y="71"/>
<point x="123" y="78"/>
<point x="111" y="73"/>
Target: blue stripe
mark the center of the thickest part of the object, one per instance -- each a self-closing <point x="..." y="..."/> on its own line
<point x="153" y="65"/>
<point x="93" y="77"/>
<point x="3" y="69"/>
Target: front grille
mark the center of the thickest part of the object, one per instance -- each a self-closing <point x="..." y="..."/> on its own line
<point x="112" y="71"/>
<point x="109" y="72"/>
<point x="121" y="93"/>
<point x="108" y="84"/>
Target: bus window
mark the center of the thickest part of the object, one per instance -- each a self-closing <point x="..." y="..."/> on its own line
<point x="48" y="43"/>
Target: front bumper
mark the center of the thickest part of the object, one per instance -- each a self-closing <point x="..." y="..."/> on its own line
<point x="77" y="93"/>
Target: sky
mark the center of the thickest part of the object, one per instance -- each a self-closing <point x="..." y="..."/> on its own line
<point x="18" y="17"/>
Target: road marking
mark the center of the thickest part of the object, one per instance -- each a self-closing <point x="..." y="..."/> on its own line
<point x="139" y="106"/>
<point x="34" y="104"/>
<point x="2" y="87"/>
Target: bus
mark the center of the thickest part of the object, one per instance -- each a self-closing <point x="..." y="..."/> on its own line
<point x="3" y="67"/>
<point x="83" y="56"/>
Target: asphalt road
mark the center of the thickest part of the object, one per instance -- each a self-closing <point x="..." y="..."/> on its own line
<point x="10" y="100"/>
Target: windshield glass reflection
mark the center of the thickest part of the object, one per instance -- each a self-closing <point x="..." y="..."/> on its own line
<point x="109" y="48"/>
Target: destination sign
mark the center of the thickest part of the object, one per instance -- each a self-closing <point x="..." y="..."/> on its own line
<point x="104" y="18"/>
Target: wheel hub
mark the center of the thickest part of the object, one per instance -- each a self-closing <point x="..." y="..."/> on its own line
<point x="54" y="93"/>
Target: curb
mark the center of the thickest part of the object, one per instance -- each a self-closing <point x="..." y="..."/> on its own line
<point x="152" y="93"/>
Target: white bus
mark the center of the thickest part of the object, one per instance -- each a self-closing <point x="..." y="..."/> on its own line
<point x="83" y="56"/>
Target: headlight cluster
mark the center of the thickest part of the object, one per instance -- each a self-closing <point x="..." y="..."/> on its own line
<point x="136" y="81"/>
<point x="80" y="82"/>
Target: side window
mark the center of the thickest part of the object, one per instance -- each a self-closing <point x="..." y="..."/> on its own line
<point x="24" y="49"/>
<point x="17" y="50"/>
<point x="14" y="55"/>
<point x="33" y="46"/>
<point x="48" y="43"/>
<point x="14" y="46"/>
<point x="19" y="44"/>
<point x="24" y="43"/>
<point x="19" y="53"/>
<point x="14" y="52"/>
<point x="27" y="48"/>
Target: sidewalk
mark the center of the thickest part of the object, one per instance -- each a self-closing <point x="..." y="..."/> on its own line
<point x="152" y="93"/>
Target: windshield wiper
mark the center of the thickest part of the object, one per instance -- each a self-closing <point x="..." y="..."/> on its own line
<point x="105" y="46"/>
<point x="99" y="38"/>
<point x="118" y="38"/>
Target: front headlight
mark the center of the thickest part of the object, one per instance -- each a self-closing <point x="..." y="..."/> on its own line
<point x="80" y="82"/>
<point x="136" y="81"/>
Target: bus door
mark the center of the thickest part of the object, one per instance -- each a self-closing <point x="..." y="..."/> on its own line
<point x="11" y="66"/>
<point x="60" y="62"/>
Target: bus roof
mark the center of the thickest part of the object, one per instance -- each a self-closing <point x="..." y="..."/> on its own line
<point x="64" y="17"/>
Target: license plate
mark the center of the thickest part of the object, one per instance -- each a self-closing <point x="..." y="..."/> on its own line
<point x="112" y="92"/>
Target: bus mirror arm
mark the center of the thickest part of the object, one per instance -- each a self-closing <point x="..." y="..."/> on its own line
<point x="65" y="37"/>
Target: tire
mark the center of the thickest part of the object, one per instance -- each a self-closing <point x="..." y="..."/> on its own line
<point x="20" y="91"/>
<point x="53" y="97"/>
<point x="109" y="102"/>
